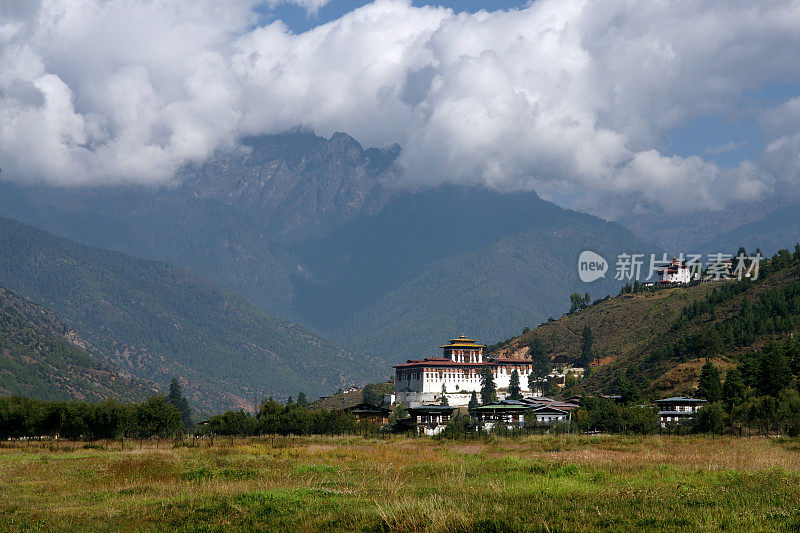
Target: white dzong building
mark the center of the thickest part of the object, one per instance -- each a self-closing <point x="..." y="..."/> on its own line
<point x="675" y="272"/>
<point x="420" y="381"/>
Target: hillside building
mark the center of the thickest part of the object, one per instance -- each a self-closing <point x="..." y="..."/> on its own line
<point x="457" y="373"/>
<point x="675" y="272"/>
<point x="677" y="409"/>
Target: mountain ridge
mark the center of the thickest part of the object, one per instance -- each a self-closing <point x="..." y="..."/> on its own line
<point x="158" y="321"/>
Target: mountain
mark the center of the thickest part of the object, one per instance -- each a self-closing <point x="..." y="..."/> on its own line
<point x="770" y="232"/>
<point x="660" y="338"/>
<point x="316" y="231"/>
<point x="157" y="321"/>
<point x="42" y="358"/>
<point x="297" y="184"/>
<point x="768" y="225"/>
<point x="460" y="260"/>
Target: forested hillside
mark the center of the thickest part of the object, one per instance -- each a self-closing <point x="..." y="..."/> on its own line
<point x="158" y="321"/>
<point x="41" y="358"/>
<point x="659" y="339"/>
<point x="490" y="290"/>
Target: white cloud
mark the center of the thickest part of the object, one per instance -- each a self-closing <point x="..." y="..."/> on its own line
<point x="312" y="6"/>
<point x="567" y="97"/>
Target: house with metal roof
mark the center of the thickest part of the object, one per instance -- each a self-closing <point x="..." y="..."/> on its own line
<point x="429" y="419"/>
<point x="512" y="413"/>
<point x="677" y="409"/>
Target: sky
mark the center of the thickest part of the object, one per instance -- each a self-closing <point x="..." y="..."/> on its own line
<point x="679" y="105"/>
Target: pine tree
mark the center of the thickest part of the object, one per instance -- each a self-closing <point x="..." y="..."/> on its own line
<point x="733" y="390"/>
<point x="587" y="341"/>
<point x="710" y="387"/>
<point x="175" y="398"/>
<point x="514" y="391"/>
<point x="473" y="402"/>
<point x="488" y="388"/>
<point x="302" y="399"/>
<point x="289" y="400"/>
<point x="775" y="374"/>
<point x="444" y="395"/>
<point x="540" y="362"/>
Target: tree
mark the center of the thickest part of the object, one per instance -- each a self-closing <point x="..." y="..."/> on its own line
<point x="709" y="419"/>
<point x="233" y="423"/>
<point x="540" y="363"/>
<point x="269" y="416"/>
<point x="579" y="302"/>
<point x="302" y="399"/>
<point x="774" y="372"/>
<point x="707" y="343"/>
<point x="289" y="400"/>
<point x="628" y="390"/>
<point x="473" y="402"/>
<point x="155" y="417"/>
<point x="733" y="390"/>
<point x="488" y="388"/>
<point x="444" y="396"/>
<point x="575" y="301"/>
<point x="176" y="399"/>
<point x="514" y="391"/>
<point x="587" y="341"/>
<point x="710" y="387"/>
<point x="372" y="393"/>
<point x="550" y="388"/>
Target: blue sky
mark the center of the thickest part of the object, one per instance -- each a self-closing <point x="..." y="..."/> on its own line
<point x="298" y="20"/>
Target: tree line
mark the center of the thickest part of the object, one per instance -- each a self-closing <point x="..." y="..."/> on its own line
<point x="159" y="416"/>
<point x="29" y="418"/>
<point x="291" y="418"/>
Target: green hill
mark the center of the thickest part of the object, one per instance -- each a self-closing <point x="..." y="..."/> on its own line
<point x="660" y="338"/>
<point x="158" y="321"/>
<point x="42" y="358"/>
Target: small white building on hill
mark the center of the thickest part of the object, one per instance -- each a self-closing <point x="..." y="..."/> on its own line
<point x="676" y="272"/>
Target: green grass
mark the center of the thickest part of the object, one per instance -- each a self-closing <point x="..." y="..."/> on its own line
<point x="536" y="483"/>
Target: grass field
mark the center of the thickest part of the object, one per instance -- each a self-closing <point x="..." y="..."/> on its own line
<point x="536" y="483"/>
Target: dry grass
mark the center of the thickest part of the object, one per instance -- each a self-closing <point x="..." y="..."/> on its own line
<point x="537" y="483"/>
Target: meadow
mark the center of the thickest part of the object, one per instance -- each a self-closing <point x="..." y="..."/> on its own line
<point x="532" y="483"/>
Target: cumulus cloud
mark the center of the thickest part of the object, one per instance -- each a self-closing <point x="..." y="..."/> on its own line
<point x="312" y="6"/>
<point x="566" y="97"/>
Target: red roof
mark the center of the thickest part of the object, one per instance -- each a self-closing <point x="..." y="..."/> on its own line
<point x="434" y="362"/>
<point x="439" y="361"/>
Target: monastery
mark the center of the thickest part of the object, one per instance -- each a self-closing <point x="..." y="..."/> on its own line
<point x="458" y="372"/>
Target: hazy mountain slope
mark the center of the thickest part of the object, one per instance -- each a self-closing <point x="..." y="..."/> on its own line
<point x="660" y="339"/>
<point x="493" y="290"/>
<point x="228" y="219"/>
<point x="311" y="230"/>
<point x="158" y="321"/>
<point x="41" y="358"/>
<point x="769" y="225"/>
<point x="770" y="233"/>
